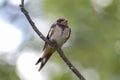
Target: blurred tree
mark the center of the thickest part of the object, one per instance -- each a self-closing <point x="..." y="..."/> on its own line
<point x="95" y="31"/>
<point x="8" y="72"/>
<point x="95" y="39"/>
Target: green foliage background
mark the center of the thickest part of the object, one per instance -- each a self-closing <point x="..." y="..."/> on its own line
<point x="95" y="36"/>
<point x="94" y="42"/>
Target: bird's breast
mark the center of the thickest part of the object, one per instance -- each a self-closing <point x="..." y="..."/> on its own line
<point x="60" y="35"/>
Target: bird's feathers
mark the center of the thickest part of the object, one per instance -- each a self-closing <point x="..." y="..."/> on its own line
<point x="51" y="31"/>
<point x="59" y="32"/>
<point x="43" y="61"/>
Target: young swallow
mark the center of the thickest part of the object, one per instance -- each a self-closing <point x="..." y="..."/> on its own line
<point x="60" y="33"/>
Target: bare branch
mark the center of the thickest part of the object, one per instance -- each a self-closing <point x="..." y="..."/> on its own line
<point x="54" y="45"/>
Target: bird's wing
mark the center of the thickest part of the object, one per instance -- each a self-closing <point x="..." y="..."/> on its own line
<point x="68" y="34"/>
<point x="51" y="31"/>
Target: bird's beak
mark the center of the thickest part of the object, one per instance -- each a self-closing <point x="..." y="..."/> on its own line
<point x="66" y="21"/>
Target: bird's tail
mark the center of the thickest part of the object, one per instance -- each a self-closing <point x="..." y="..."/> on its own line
<point x="43" y="61"/>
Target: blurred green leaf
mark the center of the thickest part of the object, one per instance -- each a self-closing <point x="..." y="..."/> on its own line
<point x="8" y="72"/>
<point x="94" y="36"/>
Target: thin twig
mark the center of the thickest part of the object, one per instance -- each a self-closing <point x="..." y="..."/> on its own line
<point x="55" y="46"/>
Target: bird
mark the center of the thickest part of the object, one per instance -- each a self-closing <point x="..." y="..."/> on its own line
<point x="59" y="33"/>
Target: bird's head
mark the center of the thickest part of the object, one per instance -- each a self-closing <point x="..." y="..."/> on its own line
<point x="62" y="22"/>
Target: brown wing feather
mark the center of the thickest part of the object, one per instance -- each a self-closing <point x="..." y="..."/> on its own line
<point x="49" y="34"/>
<point x="68" y="35"/>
